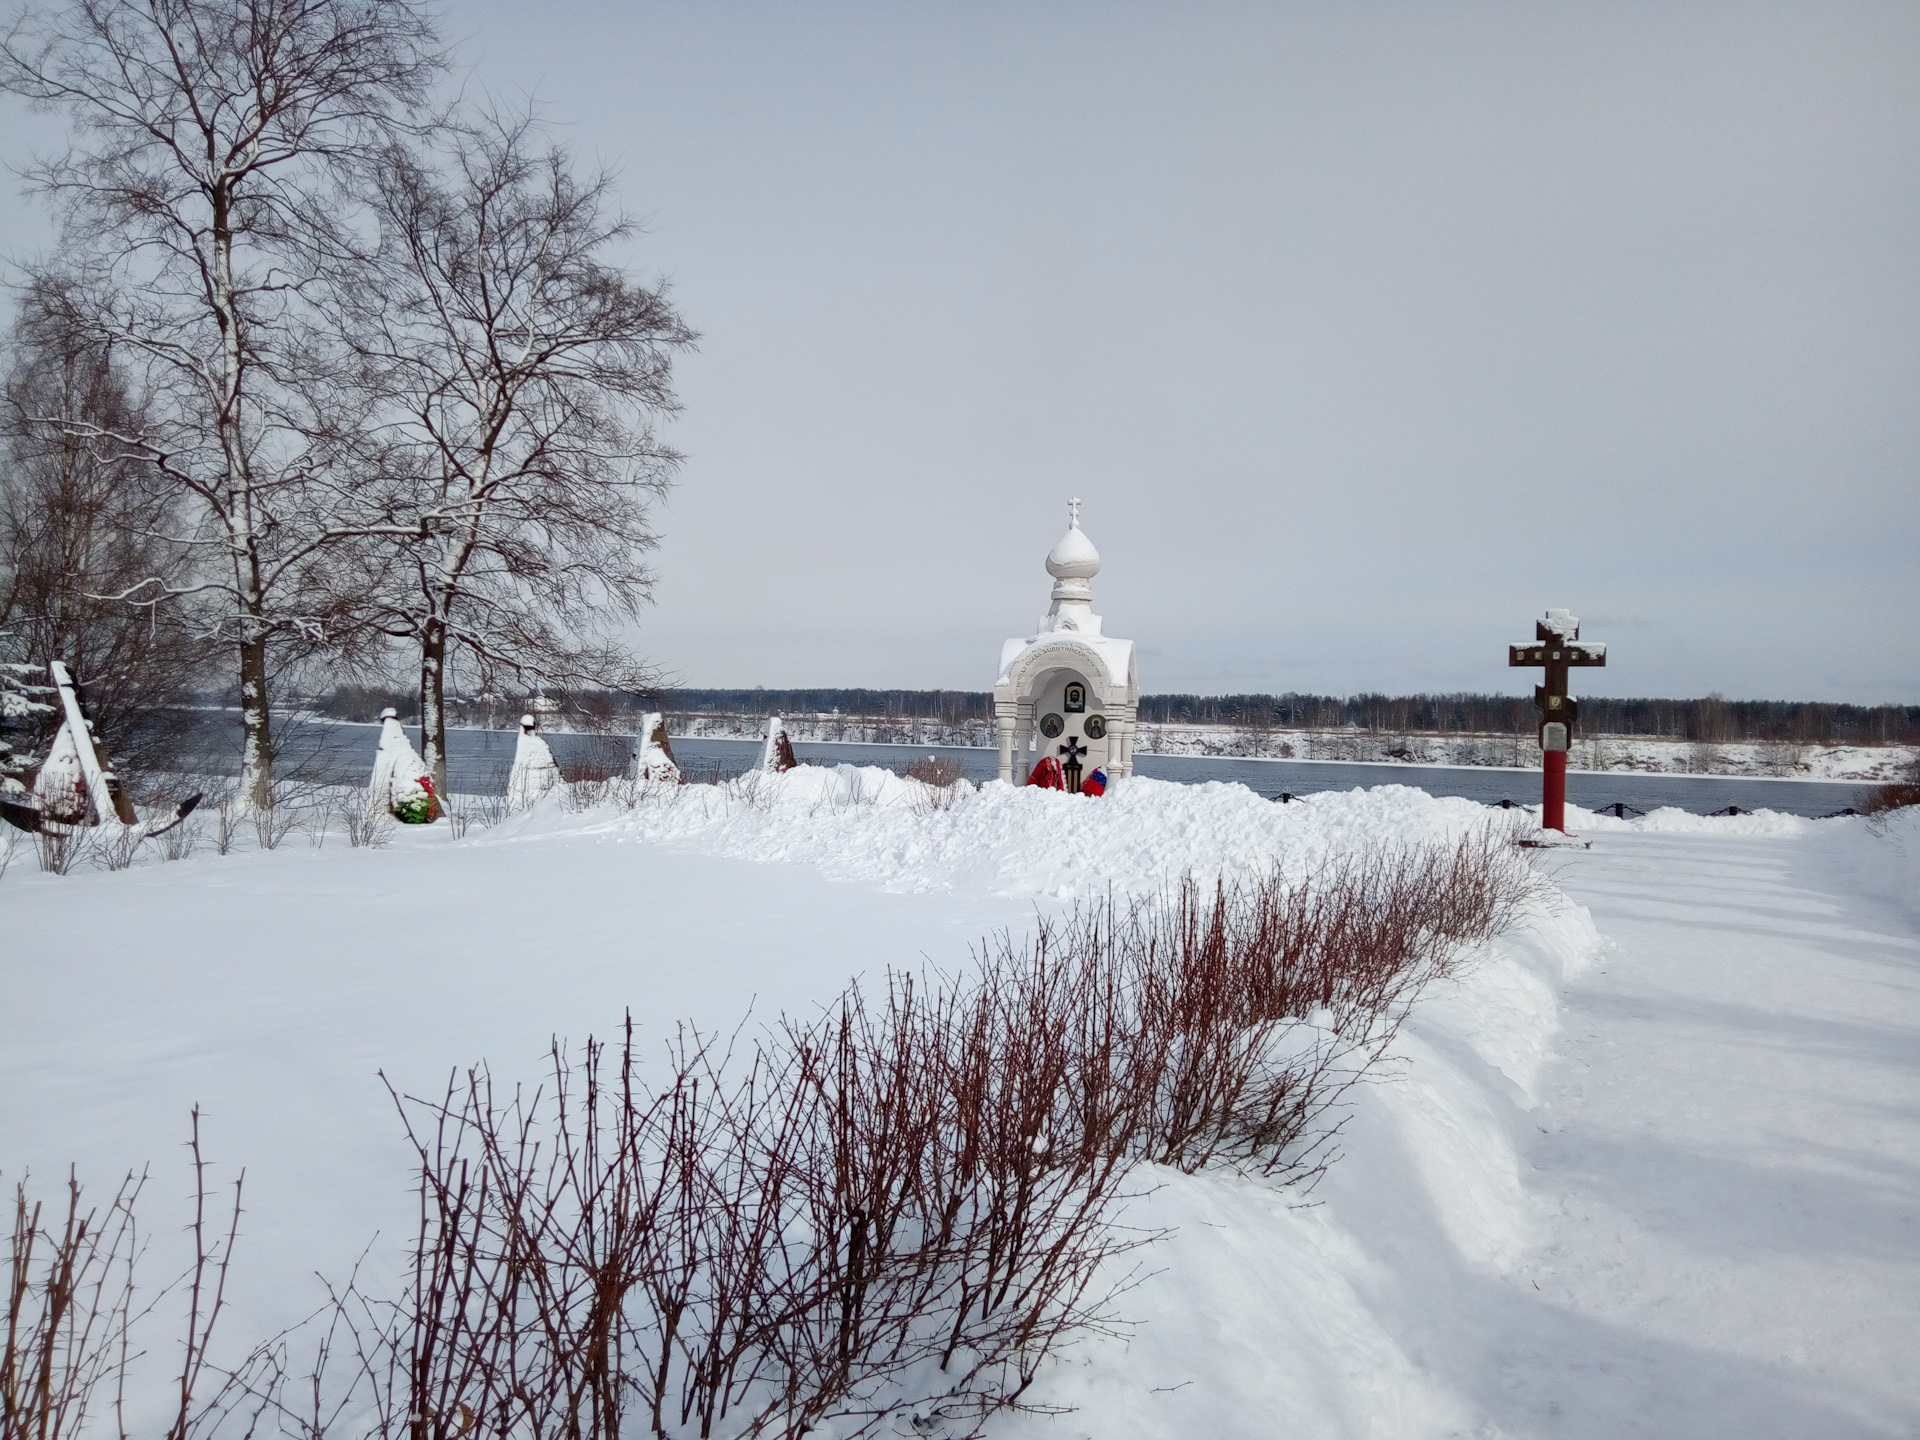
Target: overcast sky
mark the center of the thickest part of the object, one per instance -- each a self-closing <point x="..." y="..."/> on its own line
<point x="1365" y="332"/>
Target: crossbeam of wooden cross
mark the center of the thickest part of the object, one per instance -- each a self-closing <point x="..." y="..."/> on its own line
<point x="1556" y="647"/>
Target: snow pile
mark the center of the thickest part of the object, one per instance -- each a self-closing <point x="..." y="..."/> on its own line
<point x="1262" y="1313"/>
<point x="61" y="785"/>
<point x="1272" y="1312"/>
<point x="399" y="774"/>
<point x="1884" y="853"/>
<point x="18" y="688"/>
<point x="1669" y="820"/>
<point x="868" y="824"/>
<point x="534" y="772"/>
<point x="653" y="754"/>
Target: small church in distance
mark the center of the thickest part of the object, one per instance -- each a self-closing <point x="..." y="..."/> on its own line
<point x="1068" y="692"/>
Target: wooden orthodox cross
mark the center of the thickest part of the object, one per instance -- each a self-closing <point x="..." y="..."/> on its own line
<point x="1556" y="646"/>
<point x="1073" y="750"/>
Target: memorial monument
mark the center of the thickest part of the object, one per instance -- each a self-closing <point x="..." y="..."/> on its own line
<point x="1556" y="647"/>
<point x="1068" y="692"/>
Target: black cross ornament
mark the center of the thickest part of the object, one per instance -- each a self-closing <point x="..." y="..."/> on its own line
<point x="1072" y="770"/>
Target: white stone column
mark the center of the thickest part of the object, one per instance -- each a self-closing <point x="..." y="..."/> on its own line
<point x="1003" y="719"/>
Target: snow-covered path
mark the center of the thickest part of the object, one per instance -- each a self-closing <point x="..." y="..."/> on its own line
<point x="1730" y="1154"/>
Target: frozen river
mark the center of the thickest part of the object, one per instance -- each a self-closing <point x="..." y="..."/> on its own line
<point x="478" y="761"/>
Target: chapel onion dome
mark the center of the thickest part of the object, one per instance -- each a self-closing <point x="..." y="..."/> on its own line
<point x="1073" y="556"/>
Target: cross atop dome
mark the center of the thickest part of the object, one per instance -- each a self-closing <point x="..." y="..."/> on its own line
<point x="1073" y="562"/>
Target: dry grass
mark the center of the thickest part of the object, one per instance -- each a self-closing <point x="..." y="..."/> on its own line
<point x="1884" y="799"/>
<point x="935" y="770"/>
<point x="116" y="846"/>
<point x="942" y="785"/>
<point x="60" y="848"/>
<point x="606" y="757"/>
<point x="1896" y="795"/>
<point x="367" y="824"/>
<point x="69" y="1309"/>
<point x="179" y="841"/>
<point x="71" y="1316"/>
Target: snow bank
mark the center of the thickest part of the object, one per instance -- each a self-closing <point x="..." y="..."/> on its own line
<point x="1265" y="1311"/>
<point x="871" y="825"/>
<point x="1668" y="820"/>
<point x="1638" y="753"/>
<point x="1882" y="853"/>
<point x="1270" y="1312"/>
<point x="1261" y="1314"/>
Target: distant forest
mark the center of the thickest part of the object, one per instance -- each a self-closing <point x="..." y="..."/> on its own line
<point x="1711" y="719"/>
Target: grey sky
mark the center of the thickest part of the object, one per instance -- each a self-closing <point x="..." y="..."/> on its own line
<point x="1366" y="332"/>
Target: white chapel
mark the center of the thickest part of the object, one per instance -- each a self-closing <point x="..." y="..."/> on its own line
<point x="1068" y="691"/>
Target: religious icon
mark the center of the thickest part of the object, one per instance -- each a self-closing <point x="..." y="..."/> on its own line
<point x="1095" y="727"/>
<point x="1051" y="726"/>
<point x="1076" y="698"/>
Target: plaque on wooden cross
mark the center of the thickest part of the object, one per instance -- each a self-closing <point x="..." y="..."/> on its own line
<point x="1072" y="770"/>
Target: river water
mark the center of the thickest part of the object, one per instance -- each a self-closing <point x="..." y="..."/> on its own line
<point x="478" y="761"/>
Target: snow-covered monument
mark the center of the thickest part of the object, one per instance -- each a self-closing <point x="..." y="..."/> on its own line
<point x="1069" y="691"/>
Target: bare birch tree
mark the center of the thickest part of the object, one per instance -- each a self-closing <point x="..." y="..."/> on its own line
<point x="79" y="519"/>
<point x="207" y="134"/>
<point x="516" y="372"/>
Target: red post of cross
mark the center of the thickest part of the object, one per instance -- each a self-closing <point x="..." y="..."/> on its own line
<point x="1556" y="646"/>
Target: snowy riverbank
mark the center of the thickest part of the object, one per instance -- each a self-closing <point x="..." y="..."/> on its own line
<point x="1634" y="753"/>
<point x="1492" y="1255"/>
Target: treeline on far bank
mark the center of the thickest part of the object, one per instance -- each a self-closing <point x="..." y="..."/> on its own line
<point x="1711" y="719"/>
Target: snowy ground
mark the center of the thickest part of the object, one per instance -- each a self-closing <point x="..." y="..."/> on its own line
<point x="1599" y="753"/>
<point x="1648" y="1168"/>
<point x="1696" y="1214"/>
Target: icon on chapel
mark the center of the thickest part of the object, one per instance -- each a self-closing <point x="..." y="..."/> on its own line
<point x="1068" y="682"/>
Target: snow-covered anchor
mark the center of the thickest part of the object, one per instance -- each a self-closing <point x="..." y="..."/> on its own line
<point x="534" y="772"/>
<point x="778" y="755"/>
<point x="72" y="788"/>
<point x="400" y="783"/>
<point x="653" y="755"/>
